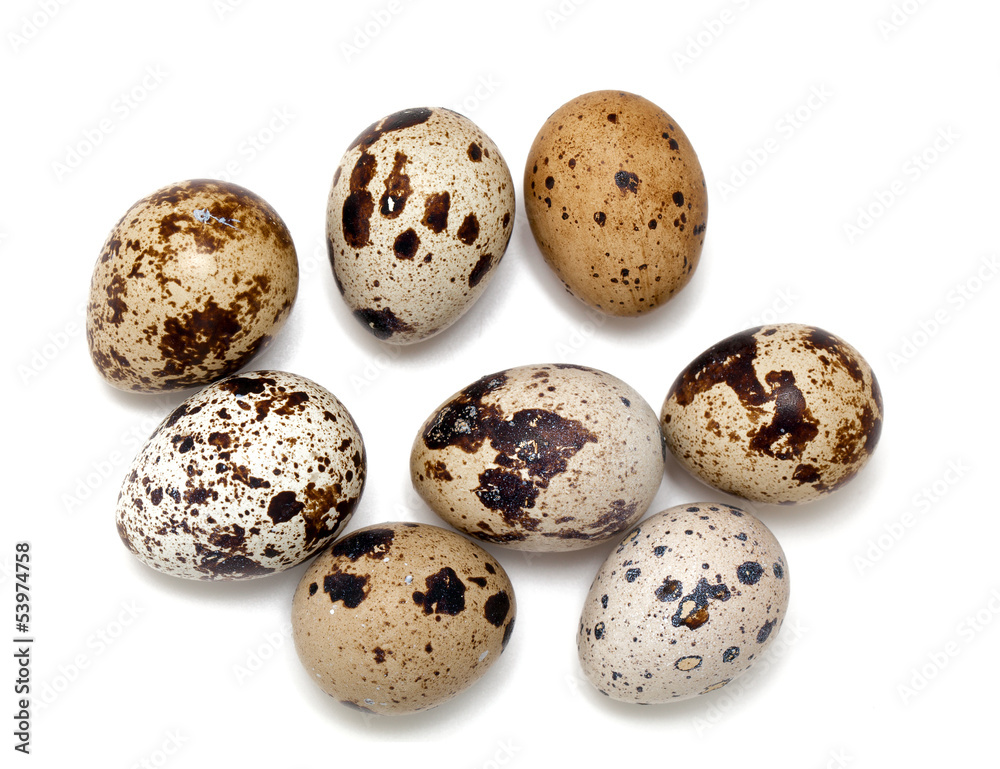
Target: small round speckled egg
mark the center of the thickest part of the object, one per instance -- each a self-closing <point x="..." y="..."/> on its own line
<point x="250" y="476"/>
<point x="540" y="457"/>
<point x="687" y="602"/>
<point x="617" y="201"/>
<point x="400" y="617"/>
<point x="782" y="414"/>
<point x="419" y="215"/>
<point x="192" y="282"/>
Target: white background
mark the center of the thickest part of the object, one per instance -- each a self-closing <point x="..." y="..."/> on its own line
<point x="886" y="574"/>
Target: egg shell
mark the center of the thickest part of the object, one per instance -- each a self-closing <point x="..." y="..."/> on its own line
<point x="250" y="476"/>
<point x="689" y="600"/>
<point x="783" y="414"/>
<point x="192" y="283"/>
<point x="419" y="215"/>
<point x="400" y="617"/>
<point x="617" y="201"/>
<point x="540" y="457"/>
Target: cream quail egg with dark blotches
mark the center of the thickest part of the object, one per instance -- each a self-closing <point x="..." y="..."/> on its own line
<point x="400" y="617"/>
<point x="616" y="200"/>
<point x="192" y="282"/>
<point x="689" y="599"/>
<point x="250" y="476"/>
<point x="784" y="413"/>
<point x="419" y="215"/>
<point x="540" y="457"/>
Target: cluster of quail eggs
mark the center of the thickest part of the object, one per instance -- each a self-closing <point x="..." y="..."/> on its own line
<point x="262" y="470"/>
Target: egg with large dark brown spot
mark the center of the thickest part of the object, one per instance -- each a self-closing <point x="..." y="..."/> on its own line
<point x="540" y="457"/>
<point x="617" y="201"/>
<point x="784" y="413"/>
<point x="419" y="214"/>
<point x="191" y="284"/>
<point x="250" y="476"/>
<point x="400" y="617"/>
<point x="686" y="603"/>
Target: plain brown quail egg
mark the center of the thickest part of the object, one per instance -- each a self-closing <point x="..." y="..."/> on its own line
<point x="400" y="617"/>
<point x="419" y="215"/>
<point x="192" y="282"/>
<point x="686" y="603"/>
<point x="616" y="200"/>
<point x="782" y="414"/>
<point x="541" y="457"/>
<point x="250" y="476"/>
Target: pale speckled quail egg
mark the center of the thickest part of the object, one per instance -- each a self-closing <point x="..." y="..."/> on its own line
<point x="400" y="617"/>
<point x="419" y="215"/>
<point x="540" y="457"/>
<point x="783" y="414"/>
<point x="617" y="201"/>
<point x="192" y="282"/>
<point x="687" y="602"/>
<point x="250" y="476"/>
